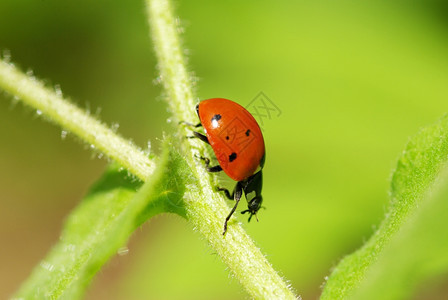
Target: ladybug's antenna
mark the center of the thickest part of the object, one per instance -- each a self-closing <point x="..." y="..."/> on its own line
<point x="251" y="215"/>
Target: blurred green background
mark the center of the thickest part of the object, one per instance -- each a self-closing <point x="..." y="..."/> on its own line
<point x="353" y="80"/>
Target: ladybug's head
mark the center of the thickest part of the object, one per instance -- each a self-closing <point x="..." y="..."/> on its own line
<point x="252" y="188"/>
<point x="253" y="206"/>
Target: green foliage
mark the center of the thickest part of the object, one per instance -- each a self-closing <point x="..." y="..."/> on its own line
<point x="417" y="254"/>
<point x="201" y="205"/>
<point x="103" y="222"/>
<point x="350" y="88"/>
<point x="413" y="179"/>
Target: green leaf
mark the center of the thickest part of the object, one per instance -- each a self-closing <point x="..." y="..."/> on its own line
<point x="417" y="253"/>
<point x="416" y="171"/>
<point x="102" y="224"/>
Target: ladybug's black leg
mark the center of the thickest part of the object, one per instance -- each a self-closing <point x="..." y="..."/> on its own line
<point x="196" y="134"/>
<point x="213" y="169"/>
<point x="199" y="136"/>
<point x="237" y="193"/>
<point x="226" y="192"/>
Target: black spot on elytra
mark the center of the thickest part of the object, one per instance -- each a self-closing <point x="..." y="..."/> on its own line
<point x="247" y="132"/>
<point x="216" y="118"/>
<point x="227" y="137"/>
<point x="232" y="157"/>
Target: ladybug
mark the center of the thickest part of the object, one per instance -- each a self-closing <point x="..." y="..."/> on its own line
<point x="237" y="141"/>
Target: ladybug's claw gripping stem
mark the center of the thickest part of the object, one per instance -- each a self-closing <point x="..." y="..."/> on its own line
<point x="197" y="135"/>
<point x="226" y="192"/>
<point x="230" y="215"/>
<point x="238" y="192"/>
<point x="213" y="169"/>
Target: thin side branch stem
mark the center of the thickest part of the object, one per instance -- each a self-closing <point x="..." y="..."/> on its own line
<point x="73" y="119"/>
<point x="206" y="208"/>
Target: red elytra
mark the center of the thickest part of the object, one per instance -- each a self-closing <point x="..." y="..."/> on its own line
<point x="234" y="136"/>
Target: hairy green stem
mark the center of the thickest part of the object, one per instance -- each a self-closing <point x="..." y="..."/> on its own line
<point x="207" y="209"/>
<point x="52" y="105"/>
